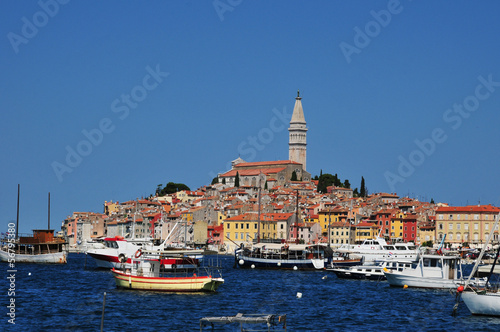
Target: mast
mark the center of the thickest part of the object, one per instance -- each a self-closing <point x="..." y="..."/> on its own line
<point x="49" y="213"/>
<point x="17" y="220"/>
<point x="297" y="215"/>
<point x="258" y="216"/>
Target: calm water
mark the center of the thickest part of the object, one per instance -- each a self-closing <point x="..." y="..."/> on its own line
<point x="69" y="298"/>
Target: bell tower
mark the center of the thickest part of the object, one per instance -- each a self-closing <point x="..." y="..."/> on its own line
<point x="297" y="143"/>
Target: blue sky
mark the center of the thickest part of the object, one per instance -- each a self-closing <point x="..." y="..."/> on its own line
<point x="405" y="94"/>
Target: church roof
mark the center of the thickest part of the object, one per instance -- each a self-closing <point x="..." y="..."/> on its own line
<point x="267" y="163"/>
<point x="298" y="113"/>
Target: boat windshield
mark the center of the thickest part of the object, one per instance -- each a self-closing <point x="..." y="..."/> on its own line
<point x="111" y="244"/>
<point x="389" y="247"/>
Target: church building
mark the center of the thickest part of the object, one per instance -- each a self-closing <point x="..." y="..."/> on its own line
<point x="276" y="172"/>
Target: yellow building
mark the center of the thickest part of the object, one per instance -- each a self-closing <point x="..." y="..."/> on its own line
<point x="397" y="225"/>
<point x="342" y="233"/>
<point x="366" y="231"/>
<point x="331" y="215"/>
<point x="471" y="224"/>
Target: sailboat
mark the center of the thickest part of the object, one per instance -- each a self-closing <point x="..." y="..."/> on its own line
<point x="42" y="247"/>
<point x="283" y="255"/>
<point x="482" y="301"/>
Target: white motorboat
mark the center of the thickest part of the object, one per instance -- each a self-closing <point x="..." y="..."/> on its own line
<point x="379" y="249"/>
<point x="369" y="272"/>
<point x="431" y="271"/>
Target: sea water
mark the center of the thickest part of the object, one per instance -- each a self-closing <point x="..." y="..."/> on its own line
<point x="70" y="298"/>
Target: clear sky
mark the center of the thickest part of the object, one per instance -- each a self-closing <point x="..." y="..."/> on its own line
<point x="104" y="100"/>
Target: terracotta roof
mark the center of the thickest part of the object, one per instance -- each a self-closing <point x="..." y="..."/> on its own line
<point x="469" y="208"/>
<point x="267" y="163"/>
<point x="252" y="172"/>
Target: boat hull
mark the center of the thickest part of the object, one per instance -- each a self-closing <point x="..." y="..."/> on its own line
<point x="52" y="258"/>
<point x="106" y="261"/>
<point x="399" y="280"/>
<point x="360" y="275"/>
<point x="287" y="264"/>
<point x="482" y="304"/>
<point x="167" y="284"/>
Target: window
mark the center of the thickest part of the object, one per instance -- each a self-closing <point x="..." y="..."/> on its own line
<point x="458" y="217"/>
<point x="241" y="234"/>
<point x="466" y="227"/>
<point x="450" y="226"/>
<point x="248" y="225"/>
<point x="476" y="217"/>
<point x="486" y="217"/>
<point x="451" y="217"/>
<point x="440" y="226"/>
<point x="255" y="226"/>
<point x="458" y="226"/>
<point x="241" y="225"/>
<point x="228" y="226"/>
<point x="440" y="217"/>
<point x="236" y="226"/>
<point x="486" y="226"/>
<point x="476" y="226"/>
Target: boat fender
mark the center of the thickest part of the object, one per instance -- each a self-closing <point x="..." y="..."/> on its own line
<point x="138" y="253"/>
<point x="122" y="258"/>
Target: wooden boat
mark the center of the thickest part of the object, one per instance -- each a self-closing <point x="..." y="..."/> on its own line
<point x="42" y="247"/>
<point x="284" y="256"/>
<point x="146" y="273"/>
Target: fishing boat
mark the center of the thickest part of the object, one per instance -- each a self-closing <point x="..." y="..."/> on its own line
<point x="484" y="301"/>
<point x="284" y="256"/>
<point x="146" y="273"/>
<point x="379" y="249"/>
<point x="369" y="272"/>
<point x="118" y="251"/>
<point x="42" y="247"/>
<point x="431" y="271"/>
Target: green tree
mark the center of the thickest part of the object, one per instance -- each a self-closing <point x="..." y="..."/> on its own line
<point x="158" y="188"/>
<point x="355" y="192"/>
<point x="172" y="187"/>
<point x="294" y="176"/>
<point x="432" y="201"/>
<point x="265" y="185"/>
<point x="237" y="180"/>
<point x="362" y="190"/>
<point x="427" y="244"/>
<point x="223" y="180"/>
<point x="347" y="184"/>
<point x="325" y="180"/>
<point x="215" y="180"/>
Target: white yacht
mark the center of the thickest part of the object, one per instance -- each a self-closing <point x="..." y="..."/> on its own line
<point x="379" y="249"/>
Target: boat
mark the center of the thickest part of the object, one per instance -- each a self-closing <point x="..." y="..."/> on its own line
<point x="118" y="251"/>
<point x="340" y="259"/>
<point x="268" y="322"/>
<point x="484" y="301"/>
<point x="146" y="273"/>
<point x="379" y="249"/>
<point x="431" y="271"/>
<point x="41" y="247"/>
<point x="369" y="272"/>
<point x="284" y="256"/>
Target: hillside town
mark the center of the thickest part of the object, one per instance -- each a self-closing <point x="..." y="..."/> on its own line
<point x="278" y="201"/>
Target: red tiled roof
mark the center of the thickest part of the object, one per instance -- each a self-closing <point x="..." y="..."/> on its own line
<point x="469" y="208"/>
<point x="267" y="163"/>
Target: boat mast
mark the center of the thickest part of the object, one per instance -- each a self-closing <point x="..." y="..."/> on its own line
<point x="17" y="220"/>
<point x="49" y="213"/>
<point x="258" y="213"/>
<point x="297" y="215"/>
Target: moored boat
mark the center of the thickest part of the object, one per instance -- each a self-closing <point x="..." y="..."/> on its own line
<point x="284" y="256"/>
<point x="146" y="273"/>
<point x="369" y="272"/>
<point x="431" y="271"/>
<point x="379" y="249"/>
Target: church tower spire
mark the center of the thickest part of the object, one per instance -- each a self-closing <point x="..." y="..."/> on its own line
<point x="297" y="144"/>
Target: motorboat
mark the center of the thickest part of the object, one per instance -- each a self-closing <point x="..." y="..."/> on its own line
<point x="379" y="249"/>
<point x="431" y="271"/>
<point x="369" y="272"/>
<point x="146" y="273"/>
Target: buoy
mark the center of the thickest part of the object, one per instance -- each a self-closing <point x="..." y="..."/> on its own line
<point x="29" y="273"/>
<point x="295" y="268"/>
<point x="279" y="263"/>
<point x="460" y="289"/>
<point x="405" y="286"/>
<point x="241" y="262"/>
<point x="253" y="266"/>
<point x="299" y="295"/>
<point x="324" y="278"/>
<point x="385" y="269"/>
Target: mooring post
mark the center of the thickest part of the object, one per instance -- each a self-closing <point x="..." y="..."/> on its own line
<point x="103" y="306"/>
